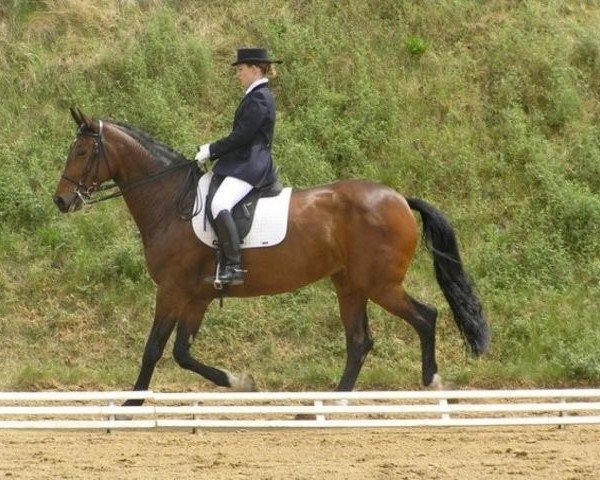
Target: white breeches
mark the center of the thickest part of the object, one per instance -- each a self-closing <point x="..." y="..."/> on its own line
<point x="229" y="193"/>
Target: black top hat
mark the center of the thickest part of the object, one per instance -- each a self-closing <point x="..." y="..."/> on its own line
<point x="253" y="55"/>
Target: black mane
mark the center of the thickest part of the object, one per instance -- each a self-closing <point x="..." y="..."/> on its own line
<point x="157" y="149"/>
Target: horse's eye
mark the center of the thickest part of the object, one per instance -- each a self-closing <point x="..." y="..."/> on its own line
<point x="80" y="152"/>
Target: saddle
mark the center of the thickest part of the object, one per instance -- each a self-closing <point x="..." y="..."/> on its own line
<point x="243" y="212"/>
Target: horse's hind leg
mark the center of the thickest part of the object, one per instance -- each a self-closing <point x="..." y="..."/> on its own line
<point x="422" y="317"/>
<point x="353" y="310"/>
<point x="187" y="328"/>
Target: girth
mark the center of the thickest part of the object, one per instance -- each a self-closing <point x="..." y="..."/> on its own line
<point x="243" y="212"/>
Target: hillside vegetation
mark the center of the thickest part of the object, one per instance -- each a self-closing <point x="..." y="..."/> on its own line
<point x="489" y="110"/>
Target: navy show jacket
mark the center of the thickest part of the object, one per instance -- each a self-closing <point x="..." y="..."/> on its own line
<point x="246" y="152"/>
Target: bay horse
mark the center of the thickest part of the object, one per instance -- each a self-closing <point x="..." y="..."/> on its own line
<point x="360" y="234"/>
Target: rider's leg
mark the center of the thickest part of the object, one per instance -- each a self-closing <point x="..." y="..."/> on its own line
<point x="229" y="193"/>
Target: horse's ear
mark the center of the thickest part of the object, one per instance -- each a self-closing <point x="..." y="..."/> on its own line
<point x="76" y="116"/>
<point x="85" y="120"/>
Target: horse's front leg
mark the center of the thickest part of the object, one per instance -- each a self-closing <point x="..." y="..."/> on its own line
<point x="187" y="328"/>
<point x="164" y="322"/>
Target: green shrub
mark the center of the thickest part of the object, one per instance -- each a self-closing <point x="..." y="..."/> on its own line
<point x="416" y="45"/>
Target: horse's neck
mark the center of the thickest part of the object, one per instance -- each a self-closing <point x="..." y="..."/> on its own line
<point x="152" y="204"/>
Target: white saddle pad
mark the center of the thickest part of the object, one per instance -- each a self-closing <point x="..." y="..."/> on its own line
<point x="269" y="225"/>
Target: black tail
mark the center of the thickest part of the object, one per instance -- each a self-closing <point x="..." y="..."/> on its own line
<point x="454" y="282"/>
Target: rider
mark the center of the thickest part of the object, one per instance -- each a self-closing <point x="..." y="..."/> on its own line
<point x="244" y="155"/>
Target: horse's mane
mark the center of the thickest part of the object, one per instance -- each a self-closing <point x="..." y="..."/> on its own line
<point x="157" y="149"/>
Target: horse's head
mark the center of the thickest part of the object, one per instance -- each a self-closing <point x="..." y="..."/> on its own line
<point x="86" y="168"/>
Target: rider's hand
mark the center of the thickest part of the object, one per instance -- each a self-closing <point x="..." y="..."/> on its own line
<point x="203" y="154"/>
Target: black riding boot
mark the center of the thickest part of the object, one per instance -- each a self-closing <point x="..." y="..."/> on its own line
<point x="230" y="271"/>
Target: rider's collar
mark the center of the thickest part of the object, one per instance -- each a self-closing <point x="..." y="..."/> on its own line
<point x="256" y="83"/>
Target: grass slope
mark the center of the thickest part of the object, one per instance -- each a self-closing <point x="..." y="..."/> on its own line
<point x="490" y="110"/>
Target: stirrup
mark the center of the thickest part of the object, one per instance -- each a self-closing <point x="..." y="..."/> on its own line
<point x="220" y="281"/>
<point x="233" y="275"/>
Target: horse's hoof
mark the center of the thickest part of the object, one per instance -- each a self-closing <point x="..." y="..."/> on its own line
<point x="438" y="384"/>
<point x="247" y="383"/>
<point x="243" y="383"/>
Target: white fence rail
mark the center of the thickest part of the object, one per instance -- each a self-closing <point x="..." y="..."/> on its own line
<point x="102" y="410"/>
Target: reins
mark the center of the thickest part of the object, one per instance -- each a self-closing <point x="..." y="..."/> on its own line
<point x="135" y="183"/>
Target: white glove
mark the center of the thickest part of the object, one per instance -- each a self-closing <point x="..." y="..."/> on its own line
<point x="203" y="154"/>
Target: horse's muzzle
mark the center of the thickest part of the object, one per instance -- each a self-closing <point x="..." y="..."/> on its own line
<point x="67" y="203"/>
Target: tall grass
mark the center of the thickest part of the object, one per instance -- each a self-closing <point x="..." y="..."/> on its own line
<point x="489" y="110"/>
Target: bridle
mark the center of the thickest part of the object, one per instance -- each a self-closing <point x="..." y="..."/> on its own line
<point x="92" y="169"/>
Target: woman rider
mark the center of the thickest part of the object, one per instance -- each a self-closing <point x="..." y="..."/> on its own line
<point x="244" y="155"/>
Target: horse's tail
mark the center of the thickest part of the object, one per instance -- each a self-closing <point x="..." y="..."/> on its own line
<point x="454" y="282"/>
